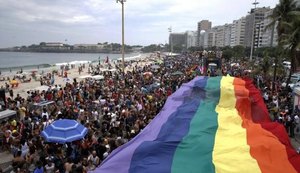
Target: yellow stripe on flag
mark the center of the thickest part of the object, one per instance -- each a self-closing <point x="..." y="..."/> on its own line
<point x="231" y="151"/>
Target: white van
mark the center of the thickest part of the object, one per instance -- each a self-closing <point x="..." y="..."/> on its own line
<point x="287" y="64"/>
<point x="212" y="65"/>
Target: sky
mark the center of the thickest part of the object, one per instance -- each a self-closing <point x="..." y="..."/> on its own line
<point x="93" y="21"/>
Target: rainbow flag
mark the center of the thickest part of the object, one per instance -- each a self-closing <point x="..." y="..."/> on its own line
<point x="209" y="125"/>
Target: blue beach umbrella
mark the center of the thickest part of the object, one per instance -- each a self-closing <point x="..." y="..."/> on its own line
<point x="64" y="130"/>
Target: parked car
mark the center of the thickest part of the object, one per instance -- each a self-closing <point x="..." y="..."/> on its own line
<point x="295" y="81"/>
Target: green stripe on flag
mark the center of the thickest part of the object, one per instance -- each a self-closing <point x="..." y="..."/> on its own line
<point x="194" y="153"/>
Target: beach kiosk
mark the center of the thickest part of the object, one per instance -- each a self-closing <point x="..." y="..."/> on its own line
<point x="7" y="114"/>
<point x="43" y="103"/>
<point x="297" y="104"/>
<point x="297" y="97"/>
<point x="39" y="106"/>
<point x="98" y="77"/>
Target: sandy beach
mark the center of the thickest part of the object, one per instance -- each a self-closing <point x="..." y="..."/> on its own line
<point x="73" y="73"/>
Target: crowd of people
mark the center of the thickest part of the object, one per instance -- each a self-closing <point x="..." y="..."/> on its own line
<point x="114" y="110"/>
<point x="278" y="98"/>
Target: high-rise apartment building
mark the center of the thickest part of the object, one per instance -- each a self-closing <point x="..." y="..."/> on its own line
<point x="222" y="35"/>
<point x="227" y="34"/>
<point x="191" y="39"/>
<point x="252" y="22"/>
<point x="204" y="25"/>
<point x="237" y="33"/>
<point x="203" y="39"/>
<point x="219" y="36"/>
<point x="178" y="40"/>
<point x="211" y="40"/>
<point x="268" y="35"/>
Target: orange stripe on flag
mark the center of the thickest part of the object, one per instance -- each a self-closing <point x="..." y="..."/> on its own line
<point x="265" y="147"/>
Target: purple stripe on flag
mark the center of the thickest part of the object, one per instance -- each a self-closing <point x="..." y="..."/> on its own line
<point x="157" y="155"/>
<point x="120" y="159"/>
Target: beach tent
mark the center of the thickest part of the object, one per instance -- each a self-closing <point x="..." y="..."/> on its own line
<point x="131" y="58"/>
<point x="235" y="64"/>
<point x="98" y="77"/>
<point x="67" y="80"/>
<point x="112" y="70"/>
<point x="170" y="54"/>
<point x="85" y="76"/>
<point x="159" y="61"/>
<point x="147" y="73"/>
<point x="39" y="106"/>
<point x="38" y="77"/>
<point x="96" y="101"/>
<point x="7" y="114"/>
<point x="42" y="88"/>
<point x="177" y="73"/>
<point x="62" y="64"/>
<point x="44" y="103"/>
<point x="211" y="124"/>
<point x="155" y="66"/>
<point x="153" y="86"/>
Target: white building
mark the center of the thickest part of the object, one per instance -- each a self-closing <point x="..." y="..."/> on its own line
<point x="94" y="47"/>
<point x="227" y="34"/>
<point x="237" y="33"/>
<point x="203" y="39"/>
<point x="54" y="44"/>
<point x="252" y="26"/>
<point x="220" y="36"/>
<point x="211" y="40"/>
<point x="267" y="34"/>
<point x="191" y="39"/>
<point x="204" y="25"/>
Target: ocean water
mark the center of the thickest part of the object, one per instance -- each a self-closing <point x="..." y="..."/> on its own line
<point x="25" y="60"/>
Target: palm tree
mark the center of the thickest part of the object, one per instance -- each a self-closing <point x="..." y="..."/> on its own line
<point x="291" y="40"/>
<point x="265" y="65"/>
<point x="281" y="16"/>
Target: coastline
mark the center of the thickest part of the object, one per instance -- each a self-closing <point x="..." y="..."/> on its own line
<point x="15" y="61"/>
<point x="66" y="51"/>
<point x="144" y="59"/>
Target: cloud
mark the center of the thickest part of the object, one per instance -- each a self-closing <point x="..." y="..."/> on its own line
<point x="92" y="21"/>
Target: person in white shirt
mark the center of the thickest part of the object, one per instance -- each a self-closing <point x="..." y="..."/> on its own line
<point x="297" y="124"/>
<point x="49" y="167"/>
<point x="296" y="119"/>
<point x="139" y="106"/>
<point x="24" y="148"/>
<point x="45" y="113"/>
<point x="94" y="158"/>
<point x="113" y="119"/>
<point x="266" y="96"/>
<point x="95" y="114"/>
